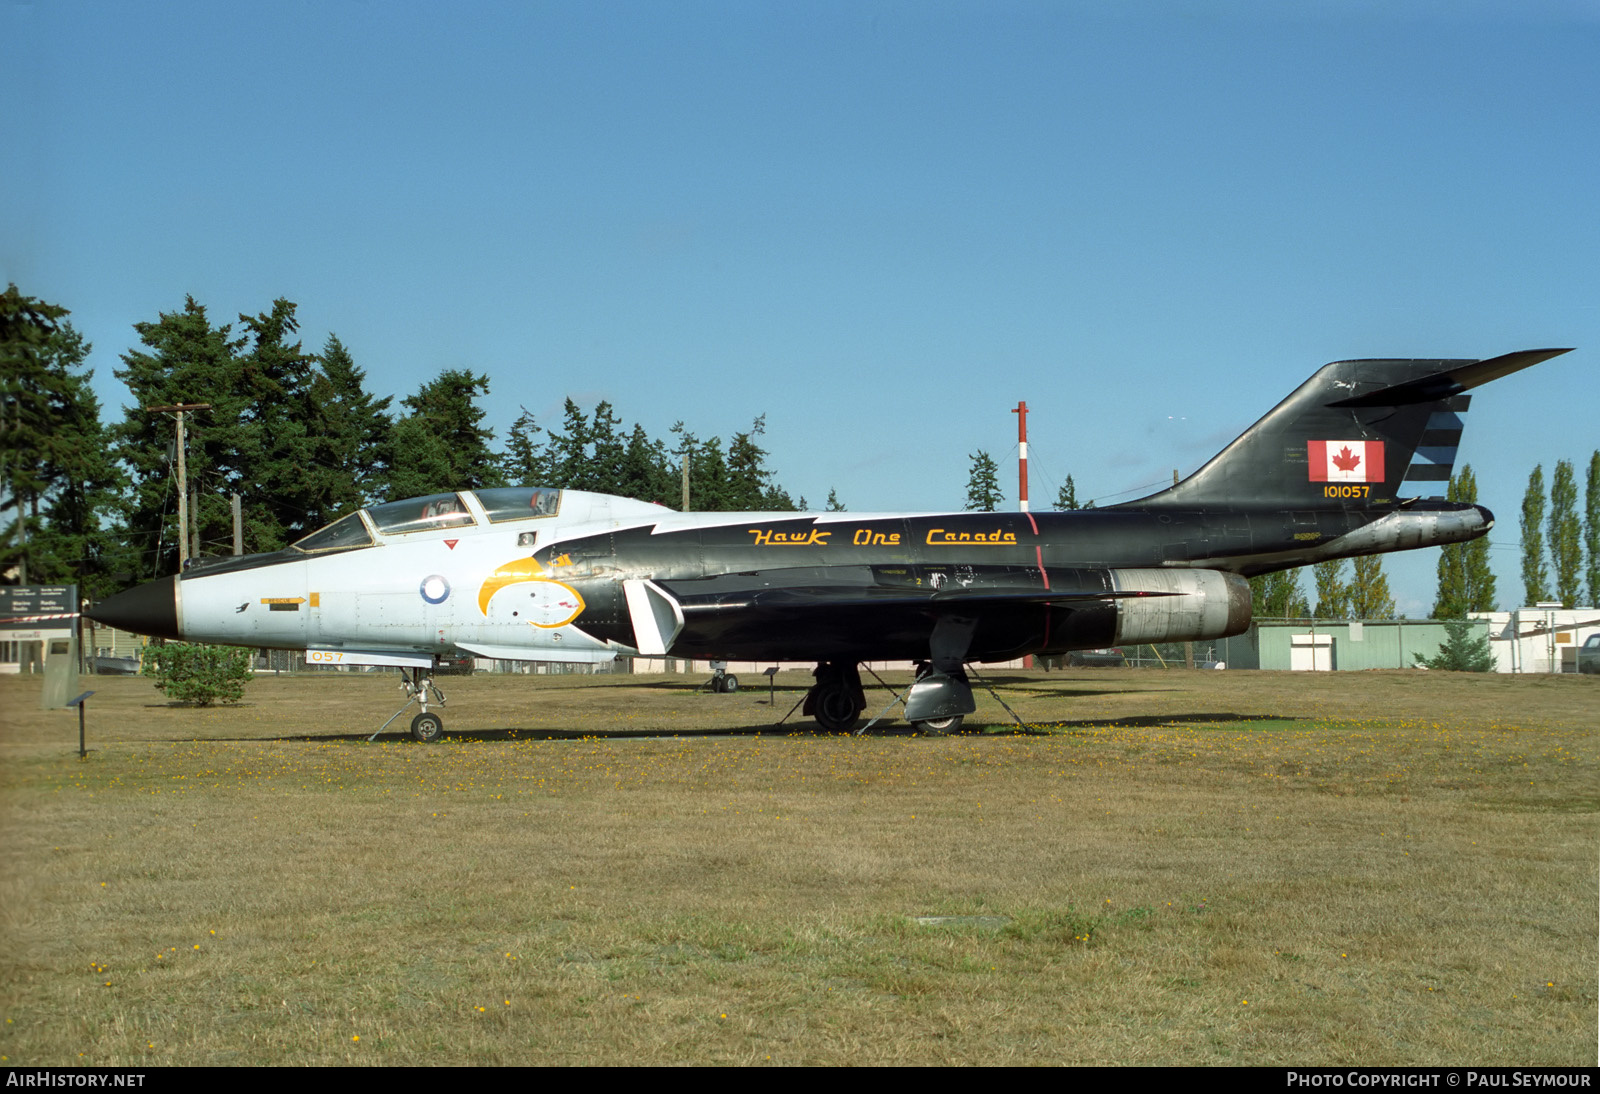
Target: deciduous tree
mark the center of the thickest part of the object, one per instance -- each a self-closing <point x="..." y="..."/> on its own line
<point x="1369" y="590"/>
<point x="1278" y="596"/>
<point x="1591" y="527"/>
<point x="1535" y="578"/>
<point x="1333" y="593"/>
<point x="1566" y="534"/>
<point x="1466" y="580"/>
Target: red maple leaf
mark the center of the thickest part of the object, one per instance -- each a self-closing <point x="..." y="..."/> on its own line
<point x="1345" y="460"/>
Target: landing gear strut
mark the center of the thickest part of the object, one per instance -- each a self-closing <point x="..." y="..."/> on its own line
<point x="722" y="681"/>
<point x="426" y="727"/>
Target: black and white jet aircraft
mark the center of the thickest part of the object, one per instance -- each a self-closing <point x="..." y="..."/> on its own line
<point x="1354" y="462"/>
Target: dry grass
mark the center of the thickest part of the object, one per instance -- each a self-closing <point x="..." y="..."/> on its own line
<point x="1375" y="868"/>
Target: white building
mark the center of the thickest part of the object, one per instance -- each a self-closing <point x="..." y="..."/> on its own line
<point x="1544" y="638"/>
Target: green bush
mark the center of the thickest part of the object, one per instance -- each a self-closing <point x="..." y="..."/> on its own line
<point x="1461" y="650"/>
<point x="200" y="675"/>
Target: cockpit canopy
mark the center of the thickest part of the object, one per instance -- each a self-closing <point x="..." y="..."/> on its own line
<point x="464" y="509"/>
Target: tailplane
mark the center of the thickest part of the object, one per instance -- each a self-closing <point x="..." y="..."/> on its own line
<point x="1357" y="434"/>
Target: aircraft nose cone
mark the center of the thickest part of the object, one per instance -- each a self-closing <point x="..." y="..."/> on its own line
<point x="1487" y="517"/>
<point x="151" y="608"/>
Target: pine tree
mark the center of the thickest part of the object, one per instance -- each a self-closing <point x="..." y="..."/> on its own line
<point x="186" y="360"/>
<point x="55" y="465"/>
<point x="26" y="326"/>
<point x="834" y="504"/>
<point x="442" y="445"/>
<point x="1535" y="578"/>
<point x="749" y="482"/>
<point x="1591" y="527"/>
<point x="1277" y="596"/>
<point x="1333" y="594"/>
<point x="277" y="476"/>
<point x="983" y="484"/>
<point x="647" y="471"/>
<point x="76" y="544"/>
<point x="606" y="450"/>
<point x="1566" y="534"/>
<point x="1461" y="651"/>
<point x="1067" y="496"/>
<point x="1369" y="590"/>
<point x="526" y="461"/>
<point x="349" y="430"/>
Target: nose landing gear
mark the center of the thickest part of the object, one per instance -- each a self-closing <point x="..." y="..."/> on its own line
<point x="427" y="726"/>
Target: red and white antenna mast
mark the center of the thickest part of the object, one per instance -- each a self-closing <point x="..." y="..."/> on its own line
<point x="1021" y="411"/>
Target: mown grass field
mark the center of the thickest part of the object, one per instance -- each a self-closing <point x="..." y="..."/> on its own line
<point x="1191" y="867"/>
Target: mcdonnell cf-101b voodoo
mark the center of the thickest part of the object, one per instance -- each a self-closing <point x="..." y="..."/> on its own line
<point x="1354" y="462"/>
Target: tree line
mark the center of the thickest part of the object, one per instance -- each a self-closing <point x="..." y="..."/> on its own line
<point x="297" y="435"/>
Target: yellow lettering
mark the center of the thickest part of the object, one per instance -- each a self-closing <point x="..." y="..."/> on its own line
<point x="939" y="537"/>
<point x="766" y="537"/>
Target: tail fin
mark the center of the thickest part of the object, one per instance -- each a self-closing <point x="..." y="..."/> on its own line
<point x="1357" y="434"/>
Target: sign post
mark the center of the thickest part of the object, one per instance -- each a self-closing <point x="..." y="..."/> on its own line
<point x="80" y="702"/>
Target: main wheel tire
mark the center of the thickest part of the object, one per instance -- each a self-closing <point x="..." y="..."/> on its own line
<point x="938" y="727"/>
<point x="835" y="709"/>
<point x="427" y="727"/>
<point x="730" y="684"/>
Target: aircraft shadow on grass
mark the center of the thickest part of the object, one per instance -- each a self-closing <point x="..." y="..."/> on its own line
<point x="887" y="728"/>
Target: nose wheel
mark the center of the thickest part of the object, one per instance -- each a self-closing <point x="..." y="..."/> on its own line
<point x="427" y="726"/>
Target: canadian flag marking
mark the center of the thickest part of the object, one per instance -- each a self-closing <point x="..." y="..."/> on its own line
<point x="1345" y="461"/>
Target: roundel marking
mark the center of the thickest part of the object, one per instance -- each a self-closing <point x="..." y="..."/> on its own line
<point x="435" y="589"/>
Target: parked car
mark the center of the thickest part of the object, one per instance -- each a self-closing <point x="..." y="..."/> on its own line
<point x="1589" y="656"/>
<point x="456" y="664"/>
<point x="1103" y="658"/>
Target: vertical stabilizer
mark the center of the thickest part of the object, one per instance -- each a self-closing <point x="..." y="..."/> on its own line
<point x="1357" y="434"/>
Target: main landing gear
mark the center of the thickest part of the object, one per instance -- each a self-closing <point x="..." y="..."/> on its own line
<point x="936" y="704"/>
<point x="427" y="726"/>
<point x="836" y="699"/>
<point x="939" y="700"/>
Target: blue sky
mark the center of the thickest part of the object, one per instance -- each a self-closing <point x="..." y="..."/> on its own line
<point x="878" y="224"/>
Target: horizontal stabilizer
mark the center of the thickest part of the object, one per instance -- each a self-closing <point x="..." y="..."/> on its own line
<point x="1451" y="381"/>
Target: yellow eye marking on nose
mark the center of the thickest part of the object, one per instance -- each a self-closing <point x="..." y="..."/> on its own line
<point x="520" y="569"/>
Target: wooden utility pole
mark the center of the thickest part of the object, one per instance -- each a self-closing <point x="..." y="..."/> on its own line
<point x="178" y="410"/>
